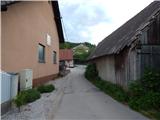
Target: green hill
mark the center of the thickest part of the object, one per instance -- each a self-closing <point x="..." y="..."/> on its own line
<point x="80" y="50"/>
<point x="68" y="45"/>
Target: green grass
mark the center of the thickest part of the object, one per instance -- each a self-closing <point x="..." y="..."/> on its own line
<point x="45" y="88"/>
<point x="111" y="89"/>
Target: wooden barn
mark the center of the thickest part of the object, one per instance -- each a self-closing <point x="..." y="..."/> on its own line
<point x="124" y="54"/>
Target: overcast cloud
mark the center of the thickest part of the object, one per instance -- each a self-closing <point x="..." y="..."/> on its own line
<point x="93" y="20"/>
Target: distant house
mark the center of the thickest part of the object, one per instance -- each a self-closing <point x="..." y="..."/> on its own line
<point x="31" y="32"/>
<point x="66" y="56"/>
<point x="124" y="54"/>
<point x="80" y="47"/>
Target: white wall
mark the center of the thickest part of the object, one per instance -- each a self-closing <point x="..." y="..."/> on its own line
<point x="69" y="63"/>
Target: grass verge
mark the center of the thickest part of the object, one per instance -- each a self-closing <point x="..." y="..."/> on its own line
<point x="142" y="96"/>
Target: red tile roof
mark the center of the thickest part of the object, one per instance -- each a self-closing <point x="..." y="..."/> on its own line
<point x="66" y="54"/>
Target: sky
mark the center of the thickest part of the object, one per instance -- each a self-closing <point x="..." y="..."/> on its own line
<point x="93" y="20"/>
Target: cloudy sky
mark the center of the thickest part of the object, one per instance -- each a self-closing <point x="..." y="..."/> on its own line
<point x="93" y="20"/>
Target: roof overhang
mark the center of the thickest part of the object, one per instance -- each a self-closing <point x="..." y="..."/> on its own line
<point x="118" y="41"/>
<point x="57" y="18"/>
<point x="5" y="4"/>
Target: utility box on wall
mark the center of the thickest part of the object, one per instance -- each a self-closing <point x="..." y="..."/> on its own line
<point x="9" y="90"/>
<point x="26" y="77"/>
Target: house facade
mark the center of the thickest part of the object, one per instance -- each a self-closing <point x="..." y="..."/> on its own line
<point x="126" y="53"/>
<point x="31" y="32"/>
<point x="66" y="56"/>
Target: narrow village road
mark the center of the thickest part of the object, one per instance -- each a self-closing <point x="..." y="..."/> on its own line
<point x="83" y="101"/>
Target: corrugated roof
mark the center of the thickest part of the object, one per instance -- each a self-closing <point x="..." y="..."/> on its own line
<point x="66" y="54"/>
<point x="125" y="34"/>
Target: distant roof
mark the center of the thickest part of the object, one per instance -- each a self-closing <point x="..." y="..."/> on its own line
<point x="56" y="11"/>
<point x="125" y="34"/>
<point x="66" y="54"/>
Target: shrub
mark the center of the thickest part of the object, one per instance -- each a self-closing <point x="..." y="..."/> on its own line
<point x="116" y="92"/>
<point x="45" y="88"/>
<point x="151" y="80"/>
<point x="26" y="96"/>
<point x="121" y="95"/>
<point x="133" y="103"/>
<point x="113" y="90"/>
<point x="150" y="100"/>
<point x="136" y="89"/>
<point x="91" y="72"/>
<point x="145" y="92"/>
<point x="143" y="95"/>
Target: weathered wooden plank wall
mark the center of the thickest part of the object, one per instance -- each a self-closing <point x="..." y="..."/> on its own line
<point x="150" y="57"/>
<point x="150" y="46"/>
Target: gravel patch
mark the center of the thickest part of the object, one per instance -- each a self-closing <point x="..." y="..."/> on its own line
<point x="41" y="109"/>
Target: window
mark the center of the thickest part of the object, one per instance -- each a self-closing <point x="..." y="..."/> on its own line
<point x="54" y="57"/>
<point x="41" y="53"/>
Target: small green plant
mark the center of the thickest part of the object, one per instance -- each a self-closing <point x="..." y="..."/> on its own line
<point x="91" y="72"/>
<point x="26" y="96"/>
<point x="45" y="88"/>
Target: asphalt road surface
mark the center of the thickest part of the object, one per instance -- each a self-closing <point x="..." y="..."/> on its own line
<point x="83" y="101"/>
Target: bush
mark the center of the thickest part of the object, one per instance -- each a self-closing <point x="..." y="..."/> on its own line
<point x="145" y="92"/>
<point x="151" y="80"/>
<point x="136" y="89"/>
<point x="91" y="72"/>
<point x="45" y="88"/>
<point x="143" y="95"/>
<point x="116" y="91"/>
<point x="113" y="90"/>
<point x="133" y="103"/>
<point x="150" y="100"/>
<point x="120" y="95"/>
<point x="26" y="96"/>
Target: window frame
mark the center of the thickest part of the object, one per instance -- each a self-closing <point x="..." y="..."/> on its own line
<point x="40" y="60"/>
<point x="54" y="57"/>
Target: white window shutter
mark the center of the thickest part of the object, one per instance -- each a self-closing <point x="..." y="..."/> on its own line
<point x="48" y="40"/>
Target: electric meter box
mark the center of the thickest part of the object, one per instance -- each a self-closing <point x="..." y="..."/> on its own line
<point x="26" y="78"/>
